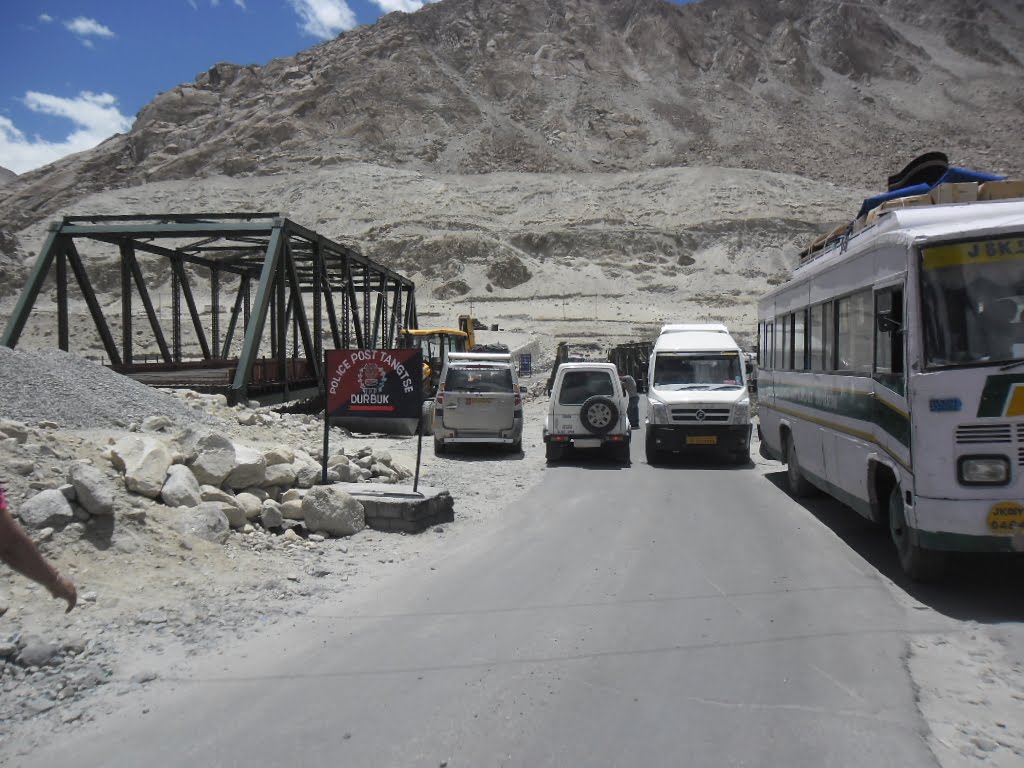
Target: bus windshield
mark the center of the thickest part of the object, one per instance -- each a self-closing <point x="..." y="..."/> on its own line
<point x="710" y="370"/>
<point x="972" y="297"/>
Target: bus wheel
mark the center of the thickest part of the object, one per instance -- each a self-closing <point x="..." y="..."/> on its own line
<point x="798" y="485"/>
<point x="919" y="564"/>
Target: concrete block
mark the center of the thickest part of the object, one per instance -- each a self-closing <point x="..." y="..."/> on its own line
<point x="391" y="507"/>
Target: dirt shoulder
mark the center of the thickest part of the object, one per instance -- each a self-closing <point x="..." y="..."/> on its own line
<point x="152" y="601"/>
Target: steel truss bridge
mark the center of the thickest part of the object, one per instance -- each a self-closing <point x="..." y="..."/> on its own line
<point x="282" y="287"/>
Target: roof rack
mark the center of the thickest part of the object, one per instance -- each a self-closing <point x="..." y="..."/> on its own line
<point x="944" y="193"/>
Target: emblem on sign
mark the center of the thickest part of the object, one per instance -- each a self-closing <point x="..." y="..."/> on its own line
<point x="371" y="378"/>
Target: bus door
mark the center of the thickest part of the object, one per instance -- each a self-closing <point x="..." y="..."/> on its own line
<point x="892" y="417"/>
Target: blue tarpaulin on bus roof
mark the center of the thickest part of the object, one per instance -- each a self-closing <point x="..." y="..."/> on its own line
<point x="955" y="175"/>
<point x="952" y="175"/>
<point x="877" y="200"/>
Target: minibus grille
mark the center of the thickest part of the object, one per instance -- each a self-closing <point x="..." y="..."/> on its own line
<point x="967" y="434"/>
<point x="700" y="415"/>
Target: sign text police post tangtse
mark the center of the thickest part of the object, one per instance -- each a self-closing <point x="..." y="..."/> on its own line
<point x="374" y="382"/>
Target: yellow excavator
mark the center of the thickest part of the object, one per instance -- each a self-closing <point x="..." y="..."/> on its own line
<point x="436" y="343"/>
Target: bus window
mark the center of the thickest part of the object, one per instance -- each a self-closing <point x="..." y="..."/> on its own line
<point x="787" y="343"/>
<point x="778" y="360"/>
<point x="815" y="338"/>
<point x="799" y="340"/>
<point x="854" y="337"/>
<point x="889" y="339"/>
<point x="828" y="336"/>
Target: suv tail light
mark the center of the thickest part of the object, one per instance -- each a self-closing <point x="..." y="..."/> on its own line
<point x="519" y="397"/>
<point x="439" y="397"/>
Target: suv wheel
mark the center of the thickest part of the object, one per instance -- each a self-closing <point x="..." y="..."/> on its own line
<point x="427" y="417"/>
<point x="599" y="415"/>
<point x="554" y="451"/>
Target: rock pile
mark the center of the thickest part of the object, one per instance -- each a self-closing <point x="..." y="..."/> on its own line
<point x="214" y="482"/>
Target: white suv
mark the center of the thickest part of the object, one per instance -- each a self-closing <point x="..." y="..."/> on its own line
<point x="587" y="410"/>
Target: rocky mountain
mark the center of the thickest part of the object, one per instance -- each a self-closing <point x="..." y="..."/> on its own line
<point x="519" y="150"/>
<point x="6" y="175"/>
<point x="830" y="90"/>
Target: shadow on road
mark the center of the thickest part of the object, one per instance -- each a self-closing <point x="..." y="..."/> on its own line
<point x="977" y="587"/>
<point x="703" y="463"/>
<point x="588" y="459"/>
<point x="479" y="452"/>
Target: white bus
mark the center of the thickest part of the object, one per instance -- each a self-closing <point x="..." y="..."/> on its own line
<point x="892" y="377"/>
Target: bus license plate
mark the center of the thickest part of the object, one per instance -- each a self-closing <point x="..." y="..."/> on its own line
<point x="701" y="440"/>
<point x="1006" y="517"/>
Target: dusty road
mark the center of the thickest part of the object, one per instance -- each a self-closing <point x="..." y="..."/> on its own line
<point x="632" y="616"/>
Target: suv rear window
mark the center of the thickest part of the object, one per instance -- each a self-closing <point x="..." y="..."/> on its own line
<point x="577" y="386"/>
<point x="479" y="379"/>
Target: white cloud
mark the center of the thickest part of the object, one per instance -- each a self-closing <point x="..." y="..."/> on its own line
<point x="45" y="18"/>
<point x="324" y="18"/>
<point x="406" y="6"/>
<point x="86" y="29"/>
<point x="95" y="116"/>
<point x="216" y="4"/>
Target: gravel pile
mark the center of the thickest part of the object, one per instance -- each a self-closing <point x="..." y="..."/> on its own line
<point x="50" y="385"/>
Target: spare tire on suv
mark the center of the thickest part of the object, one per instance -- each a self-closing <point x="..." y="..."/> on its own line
<point x="599" y="414"/>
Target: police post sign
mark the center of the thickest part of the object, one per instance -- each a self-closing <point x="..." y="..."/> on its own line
<point x="374" y="383"/>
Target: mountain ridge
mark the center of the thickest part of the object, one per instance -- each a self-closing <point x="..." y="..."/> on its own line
<point x="476" y="86"/>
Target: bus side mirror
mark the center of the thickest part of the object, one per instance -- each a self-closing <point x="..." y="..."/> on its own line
<point x="886" y="323"/>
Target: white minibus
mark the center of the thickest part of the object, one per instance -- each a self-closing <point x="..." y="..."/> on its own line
<point x="697" y="398"/>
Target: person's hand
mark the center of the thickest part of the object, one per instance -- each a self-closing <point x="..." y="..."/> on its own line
<point x="63" y="589"/>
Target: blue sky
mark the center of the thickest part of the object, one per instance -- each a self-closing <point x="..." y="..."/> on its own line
<point x="74" y="72"/>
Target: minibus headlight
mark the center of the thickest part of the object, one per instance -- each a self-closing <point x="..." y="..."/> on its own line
<point x="658" y="412"/>
<point x="741" y="412"/>
<point x="984" y="470"/>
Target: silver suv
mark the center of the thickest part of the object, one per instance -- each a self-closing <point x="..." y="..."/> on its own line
<point x="588" y="409"/>
<point x="478" y="401"/>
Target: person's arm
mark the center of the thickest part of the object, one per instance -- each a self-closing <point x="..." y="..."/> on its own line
<point x="18" y="551"/>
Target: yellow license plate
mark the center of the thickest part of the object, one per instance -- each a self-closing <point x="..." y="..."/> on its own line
<point x="702" y="440"/>
<point x="1006" y="517"/>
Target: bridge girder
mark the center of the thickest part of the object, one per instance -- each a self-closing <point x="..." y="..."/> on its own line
<point x="299" y="277"/>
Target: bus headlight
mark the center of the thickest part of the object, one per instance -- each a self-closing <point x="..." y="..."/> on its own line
<point x="741" y="412"/>
<point x="657" y="411"/>
<point x="983" y="470"/>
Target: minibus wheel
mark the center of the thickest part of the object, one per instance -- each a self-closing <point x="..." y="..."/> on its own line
<point x="799" y="487"/>
<point x="919" y="564"/>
